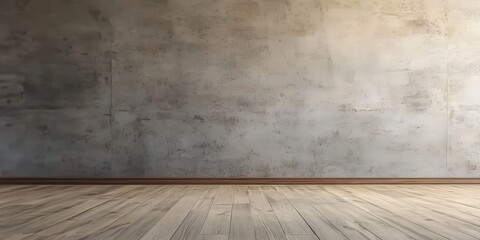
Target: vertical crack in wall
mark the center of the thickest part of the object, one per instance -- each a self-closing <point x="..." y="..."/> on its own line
<point x="447" y="130"/>
<point x="112" y="162"/>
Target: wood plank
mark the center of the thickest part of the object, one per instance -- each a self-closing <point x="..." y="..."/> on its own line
<point x="212" y="237"/>
<point x="166" y="226"/>
<point x="317" y="222"/>
<point x="240" y="195"/>
<point x="302" y="237"/>
<point x="291" y="221"/>
<point x="224" y="195"/>
<point x="385" y="231"/>
<point x="242" y="223"/>
<point x="265" y="221"/>
<point x="18" y="236"/>
<point x="353" y="230"/>
<point x="193" y="223"/>
<point x="218" y="220"/>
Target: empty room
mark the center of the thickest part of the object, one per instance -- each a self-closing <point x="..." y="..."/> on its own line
<point x="239" y="119"/>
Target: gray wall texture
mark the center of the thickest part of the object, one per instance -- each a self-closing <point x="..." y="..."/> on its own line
<point x="240" y="88"/>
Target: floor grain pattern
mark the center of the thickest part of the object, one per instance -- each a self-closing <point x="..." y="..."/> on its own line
<point x="221" y="212"/>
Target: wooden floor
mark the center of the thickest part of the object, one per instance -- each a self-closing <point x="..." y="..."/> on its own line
<point x="241" y="212"/>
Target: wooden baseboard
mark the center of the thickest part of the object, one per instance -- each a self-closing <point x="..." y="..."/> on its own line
<point x="252" y="181"/>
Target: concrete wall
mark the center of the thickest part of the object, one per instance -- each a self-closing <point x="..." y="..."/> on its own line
<point x="257" y="88"/>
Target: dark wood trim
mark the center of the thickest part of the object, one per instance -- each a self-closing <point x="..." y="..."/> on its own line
<point x="253" y="181"/>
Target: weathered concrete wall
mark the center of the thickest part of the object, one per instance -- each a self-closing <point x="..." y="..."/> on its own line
<point x="259" y="88"/>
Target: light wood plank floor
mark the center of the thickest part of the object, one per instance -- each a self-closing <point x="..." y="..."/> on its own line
<point x="299" y="212"/>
